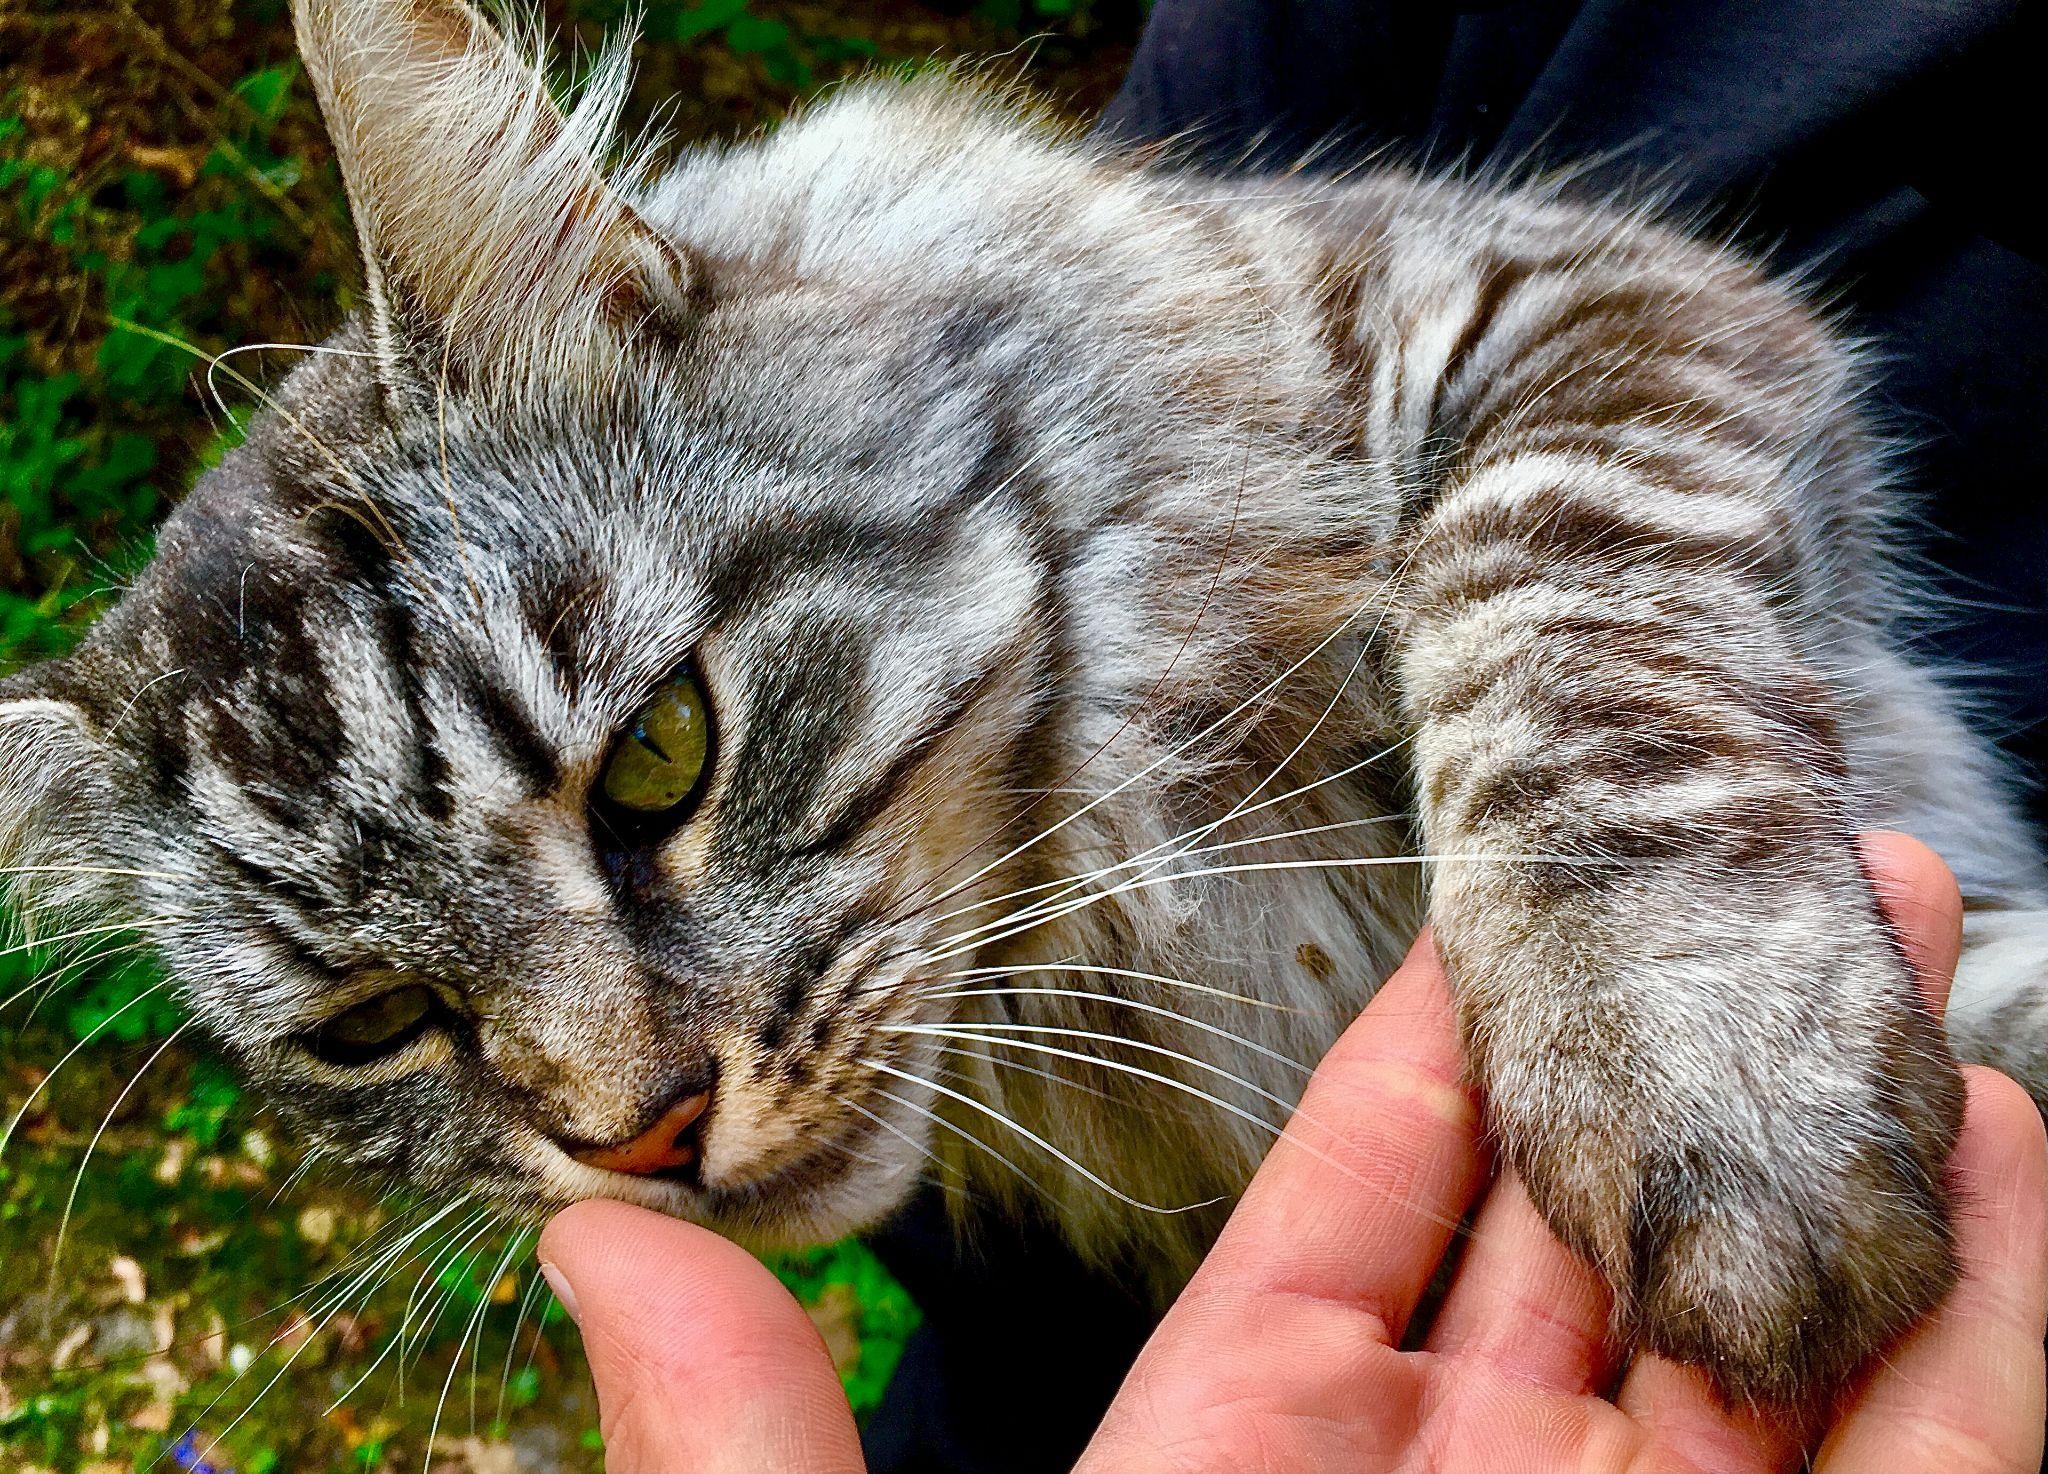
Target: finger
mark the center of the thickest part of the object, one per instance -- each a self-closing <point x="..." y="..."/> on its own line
<point x="1965" y="1391"/>
<point x="1357" y="1202"/>
<point x="1524" y="1303"/>
<point x="1686" y="1425"/>
<point x="702" y="1360"/>
<point x="1919" y="898"/>
<point x="1281" y="1351"/>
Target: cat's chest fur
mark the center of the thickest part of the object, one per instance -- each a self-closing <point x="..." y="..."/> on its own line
<point x="1223" y="962"/>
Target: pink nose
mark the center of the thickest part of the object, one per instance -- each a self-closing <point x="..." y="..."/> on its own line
<point x="668" y="1144"/>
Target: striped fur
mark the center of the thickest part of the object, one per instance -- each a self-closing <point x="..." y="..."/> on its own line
<point x="1108" y="583"/>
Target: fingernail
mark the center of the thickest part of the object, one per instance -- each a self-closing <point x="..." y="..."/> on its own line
<point x="559" y="1283"/>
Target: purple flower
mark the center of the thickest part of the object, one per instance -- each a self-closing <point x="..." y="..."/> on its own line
<point x="186" y="1452"/>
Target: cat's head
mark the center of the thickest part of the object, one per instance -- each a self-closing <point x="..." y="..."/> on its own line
<point x="575" y="696"/>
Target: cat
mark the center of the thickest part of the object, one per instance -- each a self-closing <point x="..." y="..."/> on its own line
<point x="923" y="644"/>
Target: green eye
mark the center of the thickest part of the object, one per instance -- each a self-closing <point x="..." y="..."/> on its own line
<point x="372" y="1030"/>
<point x="661" y="759"/>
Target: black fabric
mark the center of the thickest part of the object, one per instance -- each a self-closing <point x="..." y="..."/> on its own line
<point x="1890" y="148"/>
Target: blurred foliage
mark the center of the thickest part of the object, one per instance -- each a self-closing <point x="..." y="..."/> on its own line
<point x="865" y="1315"/>
<point x="167" y="197"/>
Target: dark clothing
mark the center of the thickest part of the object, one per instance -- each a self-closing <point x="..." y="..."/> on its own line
<point x="1889" y="148"/>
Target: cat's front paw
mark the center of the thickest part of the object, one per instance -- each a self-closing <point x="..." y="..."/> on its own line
<point x="1781" y="1284"/>
<point x="1764" y="1189"/>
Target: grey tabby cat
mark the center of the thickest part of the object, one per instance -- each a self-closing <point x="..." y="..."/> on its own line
<point x="918" y="637"/>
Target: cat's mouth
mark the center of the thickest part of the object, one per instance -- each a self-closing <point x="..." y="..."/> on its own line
<point x="823" y="1190"/>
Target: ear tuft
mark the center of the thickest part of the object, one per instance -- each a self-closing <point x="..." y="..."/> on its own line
<point x="484" y="212"/>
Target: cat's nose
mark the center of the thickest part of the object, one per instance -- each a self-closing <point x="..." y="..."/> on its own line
<point x="669" y="1145"/>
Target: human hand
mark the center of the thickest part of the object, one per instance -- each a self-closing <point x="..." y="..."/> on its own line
<point x="1284" y="1351"/>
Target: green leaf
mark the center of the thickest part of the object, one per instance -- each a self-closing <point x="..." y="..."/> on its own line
<point x="126" y="459"/>
<point x="124" y="1005"/>
<point x="143" y="191"/>
<point x="524" y="1388"/>
<point x="210" y="1101"/>
<point x="267" y="92"/>
<point x="770" y="40"/>
<point x="226" y="437"/>
<point x="697" y="21"/>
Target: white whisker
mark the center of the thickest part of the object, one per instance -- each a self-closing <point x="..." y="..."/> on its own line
<point x="1172" y="753"/>
<point x="102" y="930"/>
<point x="290" y="1360"/>
<point x="1287" y="1132"/>
<point x="52" y="979"/>
<point x="1070" y="881"/>
<point x="970" y="974"/>
<point x="453" y="1270"/>
<point x="473" y="1328"/>
<point x="87" y="870"/>
<point x="534" y="1281"/>
<point x="71" y="1198"/>
<point x="1120" y="1002"/>
<point x="385" y="1263"/>
<point x="999" y="1034"/>
<point x="1022" y="1068"/>
<point x="954" y="1127"/>
<point x="297" y="1174"/>
<point x="954" y="947"/>
<point x="36" y="1090"/>
<point x="1029" y="1135"/>
<point x="894" y="1130"/>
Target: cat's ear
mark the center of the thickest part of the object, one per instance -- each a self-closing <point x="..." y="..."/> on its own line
<point x="493" y="241"/>
<point x="54" y="793"/>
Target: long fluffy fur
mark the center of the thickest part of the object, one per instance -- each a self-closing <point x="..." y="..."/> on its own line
<point x="1112" y="584"/>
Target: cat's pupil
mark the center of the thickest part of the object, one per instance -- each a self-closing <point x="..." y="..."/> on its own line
<point x="659" y="765"/>
<point x="640" y="736"/>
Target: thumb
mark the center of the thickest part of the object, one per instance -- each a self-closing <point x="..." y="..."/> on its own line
<point x="1918" y="896"/>
<point x="703" y="1361"/>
